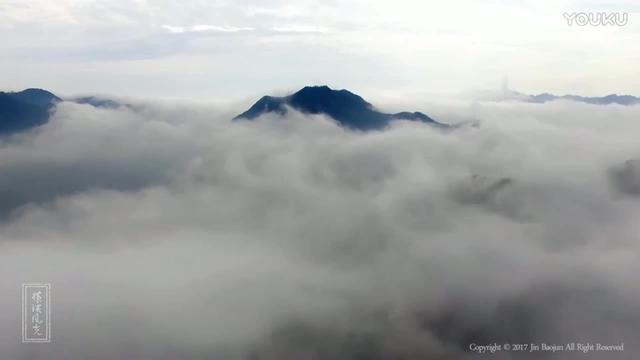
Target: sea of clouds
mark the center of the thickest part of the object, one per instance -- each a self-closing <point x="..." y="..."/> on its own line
<point x="170" y="232"/>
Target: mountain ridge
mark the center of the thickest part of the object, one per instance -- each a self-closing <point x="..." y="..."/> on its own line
<point x="596" y="100"/>
<point x="25" y="109"/>
<point x="506" y="94"/>
<point x="348" y="109"/>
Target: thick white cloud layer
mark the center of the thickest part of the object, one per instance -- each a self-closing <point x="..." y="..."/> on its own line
<point x="169" y="232"/>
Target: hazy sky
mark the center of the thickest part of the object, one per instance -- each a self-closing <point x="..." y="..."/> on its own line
<point x="232" y="49"/>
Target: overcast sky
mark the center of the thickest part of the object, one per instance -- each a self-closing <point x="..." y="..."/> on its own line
<point x="236" y="49"/>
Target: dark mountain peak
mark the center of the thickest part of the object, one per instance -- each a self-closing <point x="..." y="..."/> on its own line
<point x="320" y="99"/>
<point x="34" y="96"/>
<point x="315" y="89"/>
<point x="325" y="91"/>
<point x="347" y="108"/>
<point x="25" y="109"/>
<point x="37" y="92"/>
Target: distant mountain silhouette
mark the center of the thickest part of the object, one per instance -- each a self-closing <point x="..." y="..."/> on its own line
<point x="25" y="109"/>
<point x="30" y="108"/>
<point x="37" y="97"/>
<point x="99" y="102"/>
<point x="347" y="108"/>
<point x="506" y="94"/>
<point x="602" y="100"/>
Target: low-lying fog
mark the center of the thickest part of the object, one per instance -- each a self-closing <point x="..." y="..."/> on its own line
<point x="169" y="232"/>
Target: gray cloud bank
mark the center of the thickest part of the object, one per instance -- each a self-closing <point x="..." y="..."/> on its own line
<point x="173" y="233"/>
